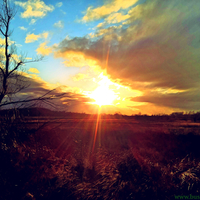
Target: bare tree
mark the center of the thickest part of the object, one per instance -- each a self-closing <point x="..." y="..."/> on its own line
<point x="11" y="81"/>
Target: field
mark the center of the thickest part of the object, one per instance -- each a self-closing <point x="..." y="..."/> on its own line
<point x="99" y="158"/>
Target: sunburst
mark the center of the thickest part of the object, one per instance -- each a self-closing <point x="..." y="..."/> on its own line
<point x="103" y="94"/>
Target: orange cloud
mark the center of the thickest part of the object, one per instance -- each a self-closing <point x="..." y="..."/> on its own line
<point x="116" y="18"/>
<point x="43" y="49"/>
<point x="79" y="76"/>
<point x="32" y="37"/>
<point x="76" y="59"/>
<point x="33" y="70"/>
<point x="2" y="41"/>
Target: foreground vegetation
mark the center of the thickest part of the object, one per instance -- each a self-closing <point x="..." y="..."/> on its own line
<point x="58" y="161"/>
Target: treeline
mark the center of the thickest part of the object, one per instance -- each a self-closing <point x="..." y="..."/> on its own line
<point x="43" y="112"/>
<point x="176" y="116"/>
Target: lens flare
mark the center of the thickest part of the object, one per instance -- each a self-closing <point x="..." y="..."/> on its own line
<point x="103" y="95"/>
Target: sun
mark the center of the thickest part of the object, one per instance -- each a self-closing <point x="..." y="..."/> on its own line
<point x="103" y="95"/>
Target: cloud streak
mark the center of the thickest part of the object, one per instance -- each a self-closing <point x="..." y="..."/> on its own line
<point x="59" y="4"/>
<point x="103" y="11"/>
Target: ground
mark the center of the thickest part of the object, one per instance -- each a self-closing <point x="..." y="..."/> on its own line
<point x="127" y="158"/>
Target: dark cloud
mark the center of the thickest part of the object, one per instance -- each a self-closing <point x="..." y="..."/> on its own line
<point x="188" y="100"/>
<point x="76" y="43"/>
<point x="35" y="88"/>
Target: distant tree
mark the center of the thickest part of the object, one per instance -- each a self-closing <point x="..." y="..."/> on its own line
<point x="11" y="80"/>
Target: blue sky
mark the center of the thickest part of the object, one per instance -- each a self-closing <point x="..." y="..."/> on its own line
<point x="63" y="21"/>
<point x="145" y="51"/>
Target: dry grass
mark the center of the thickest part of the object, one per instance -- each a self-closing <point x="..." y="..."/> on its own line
<point x="127" y="163"/>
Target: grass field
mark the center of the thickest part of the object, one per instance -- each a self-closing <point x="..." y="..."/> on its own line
<point x="116" y="158"/>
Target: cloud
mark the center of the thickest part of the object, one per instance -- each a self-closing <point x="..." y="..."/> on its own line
<point x="10" y="42"/>
<point x="63" y="12"/>
<point x="117" y="18"/>
<point x="157" y="49"/>
<point x="107" y="9"/>
<point x="59" y="24"/>
<point x="71" y="101"/>
<point x="37" y="87"/>
<point x="32" y="37"/>
<point x="108" y="33"/>
<point x="188" y="100"/>
<point x="34" y="8"/>
<point x="23" y="28"/>
<point x="75" y="59"/>
<point x="32" y="21"/>
<point x="73" y="53"/>
<point x="14" y="57"/>
<point x="2" y="41"/>
<point x="43" y="49"/>
<point x="59" y="4"/>
<point x="33" y="70"/>
<point x="79" y="76"/>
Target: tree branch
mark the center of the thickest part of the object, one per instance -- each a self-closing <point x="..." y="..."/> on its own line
<point x="2" y="71"/>
<point x="10" y="81"/>
<point x="2" y="32"/>
<point x="15" y="68"/>
<point x="42" y="98"/>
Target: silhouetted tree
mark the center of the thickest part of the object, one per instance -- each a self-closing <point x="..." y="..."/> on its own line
<point x="11" y="79"/>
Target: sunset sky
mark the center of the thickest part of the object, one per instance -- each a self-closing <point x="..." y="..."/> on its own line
<point x="129" y="56"/>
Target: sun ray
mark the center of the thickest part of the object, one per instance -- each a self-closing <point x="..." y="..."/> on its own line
<point x="96" y="129"/>
<point x="107" y="59"/>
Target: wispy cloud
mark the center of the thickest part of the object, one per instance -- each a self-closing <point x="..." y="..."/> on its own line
<point x="59" y="4"/>
<point x="32" y="37"/>
<point x="59" y="24"/>
<point x="34" y="70"/>
<point x="79" y="77"/>
<point x="32" y="21"/>
<point x="43" y="49"/>
<point x="34" y="8"/>
<point x="116" y="18"/>
<point x="23" y="28"/>
<point x="107" y="9"/>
